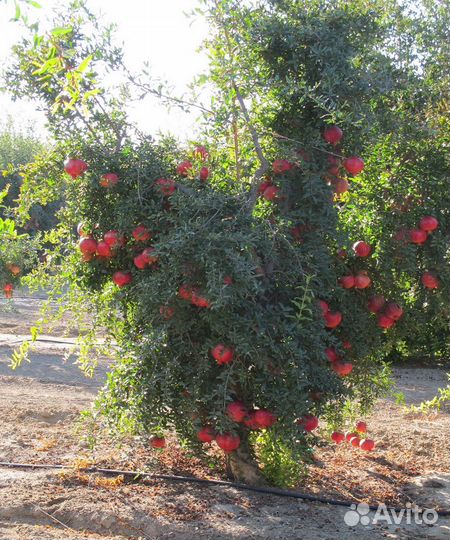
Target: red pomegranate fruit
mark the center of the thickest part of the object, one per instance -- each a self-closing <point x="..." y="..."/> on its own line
<point x="75" y="167"/>
<point x="430" y="280"/>
<point x="384" y="321"/>
<point x="429" y="223"/>
<point x="367" y="444"/>
<point x="88" y="246"/>
<point x="222" y="354"/>
<point x="362" y="249"/>
<point x="228" y="442"/>
<point x="333" y="135"/>
<point x="376" y="303"/>
<point x="109" y="180"/>
<point x="337" y="437"/>
<point x="122" y="278"/>
<point x="206" y="434"/>
<point x="237" y="411"/>
<point x="353" y="165"/>
<point x="418" y="236"/>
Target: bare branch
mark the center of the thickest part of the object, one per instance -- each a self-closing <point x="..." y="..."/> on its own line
<point x="264" y="164"/>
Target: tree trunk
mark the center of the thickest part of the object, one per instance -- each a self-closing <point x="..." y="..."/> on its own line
<point x="242" y="466"/>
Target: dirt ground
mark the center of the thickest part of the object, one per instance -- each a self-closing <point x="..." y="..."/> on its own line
<point x="39" y="420"/>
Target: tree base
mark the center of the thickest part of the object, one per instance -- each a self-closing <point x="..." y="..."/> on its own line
<point x="242" y="467"/>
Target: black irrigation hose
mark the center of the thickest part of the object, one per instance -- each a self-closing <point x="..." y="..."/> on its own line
<point x="136" y="474"/>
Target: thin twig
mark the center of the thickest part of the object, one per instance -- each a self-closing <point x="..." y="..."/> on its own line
<point x="148" y="89"/>
<point x="55" y="519"/>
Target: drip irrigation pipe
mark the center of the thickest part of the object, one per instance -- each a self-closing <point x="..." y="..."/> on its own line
<point x="192" y="479"/>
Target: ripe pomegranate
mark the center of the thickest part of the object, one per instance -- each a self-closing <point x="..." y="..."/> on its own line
<point x="109" y="180"/>
<point x="309" y="422"/>
<point x="349" y="435"/>
<point x="417" y="236"/>
<point x="332" y="355"/>
<point x="376" y="303"/>
<point x="429" y="223"/>
<point x="167" y="186"/>
<point x="263" y="186"/>
<point x="341" y="185"/>
<point x="185" y="292"/>
<point x="362" y="249"/>
<point x="222" y="354"/>
<point x="140" y="261"/>
<point x="362" y="281"/>
<point x="204" y="174"/>
<point x="333" y="319"/>
<point x="430" y="280"/>
<point x="228" y="280"/>
<point x="87" y="246"/>
<point x="149" y="255"/>
<point x="75" y="167"/>
<point x="166" y="311"/>
<point x="237" y="411"/>
<point x="104" y="250"/>
<point x="342" y="368"/>
<point x="250" y="420"/>
<point x="333" y="134"/>
<point x="158" y="442"/>
<point x="281" y="165"/>
<point x="141" y="234"/>
<point x="354" y="441"/>
<point x="184" y="167"/>
<point x="394" y="311"/>
<point x="8" y="290"/>
<point x="271" y="193"/>
<point x="384" y="321"/>
<point x="201" y="153"/>
<point x="347" y="281"/>
<point x="337" y="437"/>
<point x="122" y="278"/>
<point x="206" y="434"/>
<point x="264" y="418"/>
<point x="361" y="427"/>
<point x="324" y="307"/>
<point x="199" y="301"/>
<point x="353" y="165"/>
<point x="347" y="345"/>
<point x="367" y="444"/>
<point x="228" y="442"/>
<point x="114" y="239"/>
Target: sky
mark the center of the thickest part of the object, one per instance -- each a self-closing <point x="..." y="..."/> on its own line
<point x="156" y="31"/>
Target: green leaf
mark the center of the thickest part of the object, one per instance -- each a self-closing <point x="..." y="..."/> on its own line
<point x="61" y="30"/>
<point x="33" y="3"/>
<point x="84" y="64"/>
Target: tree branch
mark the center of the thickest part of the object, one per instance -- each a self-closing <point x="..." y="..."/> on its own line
<point x="264" y="164"/>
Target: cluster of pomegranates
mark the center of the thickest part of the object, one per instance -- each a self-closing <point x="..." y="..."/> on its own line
<point x="186" y="168"/>
<point x="112" y="241"/>
<point x="354" y="438"/>
<point x="251" y="418"/>
<point x="353" y="165"/>
<point x="388" y="313"/>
